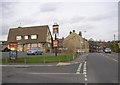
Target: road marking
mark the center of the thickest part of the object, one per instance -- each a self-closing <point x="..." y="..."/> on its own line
<point x="115" y="60"/>
<point x="24" y="65"/>
<point x="79" y="68"/>
<point x="85" y="79"/>
<point x="85" y="72"/>
<point x="60" y="64"/>
<point x="50" y="73"/>
<point x="109" y="57"/>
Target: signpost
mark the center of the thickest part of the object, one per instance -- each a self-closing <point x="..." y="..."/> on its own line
<point x="13" y="55"/>
<point x="55" y="42"/>
<point x="13" y="52"/>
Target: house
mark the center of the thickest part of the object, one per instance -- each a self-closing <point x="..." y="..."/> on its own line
<point x="3" y="45"/>
<point x="60" y="45"/>
<point x="74" y="42"/>
<point x="24" y="38"/>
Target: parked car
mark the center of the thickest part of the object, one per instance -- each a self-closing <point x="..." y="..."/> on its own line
<point x="6" y="50"/>
<point x="34" y="51"/>
<point x="100" y="51"/>
<point x="108" y="50"/>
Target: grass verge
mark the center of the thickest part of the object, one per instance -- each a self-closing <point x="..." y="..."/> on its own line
<point x="40" y="59"/>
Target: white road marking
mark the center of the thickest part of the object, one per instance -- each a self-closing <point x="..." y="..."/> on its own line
<point x="109" y="57"/>
<point x="85" y="71"/>
<point x="50" y="73"/>
<point x="85" y="79"/>
<point x="115" y="60"/>
<point x="60" y="64"/>
<point x="79" y="68"/>
<point x="77" y="72"/>
<point x="24" y="65"/>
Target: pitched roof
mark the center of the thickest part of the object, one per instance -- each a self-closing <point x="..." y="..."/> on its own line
<point x="41" y="31"/>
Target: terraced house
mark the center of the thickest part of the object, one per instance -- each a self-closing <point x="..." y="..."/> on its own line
<point x="30" y="37"/>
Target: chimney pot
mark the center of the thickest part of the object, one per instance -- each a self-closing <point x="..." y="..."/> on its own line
<point x="80" y="34"/>
<point x="73" y="30"/>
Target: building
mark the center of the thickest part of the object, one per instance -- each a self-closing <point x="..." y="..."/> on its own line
<point x="97" y="46"/>
<point x="74" y="42"/>
<point x="60" y="45"/>
<point x="30" y="37"/>
<point x="3" y="45"/>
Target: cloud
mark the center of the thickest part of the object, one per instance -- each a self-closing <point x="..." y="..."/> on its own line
<point x="48" y="7"/>
<point x="76" y="19"/>
<point x="95" y="18"/>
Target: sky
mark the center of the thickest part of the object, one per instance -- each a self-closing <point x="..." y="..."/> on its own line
<point x="95" y="19"/>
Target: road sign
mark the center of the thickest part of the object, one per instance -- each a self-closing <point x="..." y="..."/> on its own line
<point x="13" y="55"/>
<point x="55" y="43"/>
<point x="55" y="28"/>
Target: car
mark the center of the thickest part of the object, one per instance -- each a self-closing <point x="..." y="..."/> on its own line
<point x="6" y="50"/>
<point x="34" y="51"/>
<point x="108" y="50"/>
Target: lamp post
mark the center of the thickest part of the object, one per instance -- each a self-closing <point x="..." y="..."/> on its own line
<point x="83" y="43"/>
<point x="114" y="43"/>
<point x="55" y="41"/>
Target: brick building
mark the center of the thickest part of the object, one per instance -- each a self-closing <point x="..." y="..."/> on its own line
<point x="30" y="37"/>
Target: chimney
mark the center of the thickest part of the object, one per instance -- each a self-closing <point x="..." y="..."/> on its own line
<point x="73" y="30"/>
<point x="70" y="32"/>
<point x="19" y="27"/>
<point x="80" y="33"/>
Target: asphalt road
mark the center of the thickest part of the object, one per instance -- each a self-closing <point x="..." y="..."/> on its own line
<point x="102" y="68"/>
<point x="99" y="68"/>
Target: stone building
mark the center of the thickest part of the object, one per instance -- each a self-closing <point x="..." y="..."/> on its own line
<point x="74" y="42"/>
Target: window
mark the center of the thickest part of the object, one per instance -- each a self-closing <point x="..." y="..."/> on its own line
<point x="18" y="37"/>
<point x="33" y="36"/>
<point x="26" y="37"/>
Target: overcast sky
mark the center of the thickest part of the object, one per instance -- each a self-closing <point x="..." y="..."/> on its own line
<point x="98" y="19"/>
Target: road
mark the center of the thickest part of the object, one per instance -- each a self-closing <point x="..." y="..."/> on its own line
<point x="102" y="68"/>
<point x="97" y="68"/>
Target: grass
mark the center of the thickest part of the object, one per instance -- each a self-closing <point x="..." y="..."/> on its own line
<point x="0" y="60"/>
<point x="41" y="59"/>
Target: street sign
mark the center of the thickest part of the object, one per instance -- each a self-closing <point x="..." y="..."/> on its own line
<point x="13" y="46"/>
<point x="13" y="55"/>
<point x="55" y="28"/>
<point x="55" y="43"/>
